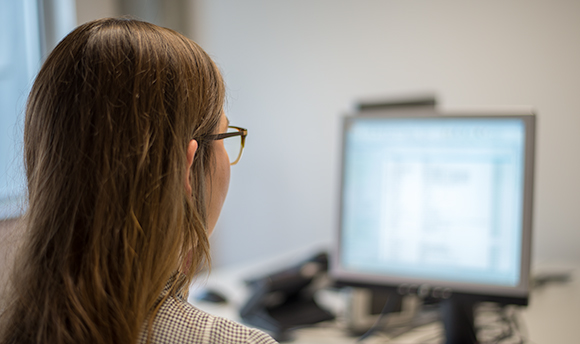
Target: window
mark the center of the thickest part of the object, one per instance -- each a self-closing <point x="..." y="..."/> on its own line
<point x="26" y="27"/>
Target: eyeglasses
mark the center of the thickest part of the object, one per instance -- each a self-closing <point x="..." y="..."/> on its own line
<point x="235" y="145"/>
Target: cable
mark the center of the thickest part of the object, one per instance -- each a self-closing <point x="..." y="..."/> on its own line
<point x="390" y="305"/>
<point x="500" y="325"/>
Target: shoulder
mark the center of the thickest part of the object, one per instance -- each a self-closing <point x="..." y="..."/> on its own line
<point x="177" y="321"/>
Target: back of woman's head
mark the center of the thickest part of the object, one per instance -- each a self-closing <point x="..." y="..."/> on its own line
<point x="107" y="126"/>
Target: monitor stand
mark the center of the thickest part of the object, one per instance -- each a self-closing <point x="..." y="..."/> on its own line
<point x="458" y="319"/>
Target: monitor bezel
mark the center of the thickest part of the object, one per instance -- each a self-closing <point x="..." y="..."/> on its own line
<point x="518" y="294"/>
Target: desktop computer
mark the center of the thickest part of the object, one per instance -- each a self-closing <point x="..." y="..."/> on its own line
<point x="439" y="206"/>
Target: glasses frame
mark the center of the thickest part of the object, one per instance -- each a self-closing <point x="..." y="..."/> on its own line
<point x="240" y="132"/>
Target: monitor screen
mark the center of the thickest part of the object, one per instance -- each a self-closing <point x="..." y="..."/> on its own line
<point x="442" y="201"/>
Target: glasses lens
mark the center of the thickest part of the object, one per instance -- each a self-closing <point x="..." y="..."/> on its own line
<point x="233" y="145"/>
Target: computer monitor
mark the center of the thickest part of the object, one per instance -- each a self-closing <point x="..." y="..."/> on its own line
<point x="440" y="205"/>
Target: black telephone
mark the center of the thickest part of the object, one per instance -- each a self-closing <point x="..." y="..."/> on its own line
<point x="284" y="300"/>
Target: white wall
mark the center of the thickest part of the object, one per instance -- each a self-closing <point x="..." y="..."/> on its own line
<point x="88" y="10"/>
<point x="294" y="67"/>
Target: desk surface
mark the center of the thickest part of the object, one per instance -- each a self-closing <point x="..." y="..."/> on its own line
<point x="553" y="315"/>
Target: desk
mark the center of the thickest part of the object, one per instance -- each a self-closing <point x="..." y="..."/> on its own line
<point x="553" y="315"/>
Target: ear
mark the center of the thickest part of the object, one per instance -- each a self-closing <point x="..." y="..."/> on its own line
<point x="191" y="149"/>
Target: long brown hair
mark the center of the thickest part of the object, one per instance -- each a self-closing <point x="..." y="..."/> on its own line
<point x="107" y="125"/>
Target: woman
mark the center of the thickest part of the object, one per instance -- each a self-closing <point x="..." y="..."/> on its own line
<point x="127" y="173"/>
